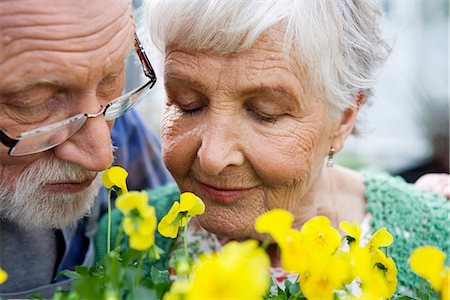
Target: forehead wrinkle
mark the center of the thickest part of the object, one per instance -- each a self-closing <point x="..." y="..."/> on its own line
<point x="17" y="39"/>
<point x="111" y="45"/>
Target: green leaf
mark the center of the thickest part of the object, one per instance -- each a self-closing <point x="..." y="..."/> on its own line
<point x="142" y="293"/>
<point x="88" y="287"/>
<point x="130" y="255"/>
<point x="158" y="276"/>
<point x="68" y="274"/>
<point x="403" y="297"/>
<point x="82" y="270"/>
<point x="294" y="289"/>
<point x="280" y="296"/>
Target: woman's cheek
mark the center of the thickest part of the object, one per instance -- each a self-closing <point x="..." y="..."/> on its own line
<point x="179" y="142"/>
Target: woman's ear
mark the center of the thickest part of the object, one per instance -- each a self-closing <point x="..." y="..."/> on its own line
<point x="347" y="122"/>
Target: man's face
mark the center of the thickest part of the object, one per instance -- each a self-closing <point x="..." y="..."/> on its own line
<point x="58" y="59"/>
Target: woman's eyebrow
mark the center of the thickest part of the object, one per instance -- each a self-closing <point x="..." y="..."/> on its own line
<point x="185" y="80"/>
<point x="280" y="92"/>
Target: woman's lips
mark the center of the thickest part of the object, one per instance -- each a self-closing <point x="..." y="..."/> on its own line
<point x="69" y="186"/>
<point x="224" y="195"/>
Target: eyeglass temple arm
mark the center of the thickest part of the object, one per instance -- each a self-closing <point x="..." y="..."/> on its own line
<point x="6" y="140"/>
<point x="148" y="69"/>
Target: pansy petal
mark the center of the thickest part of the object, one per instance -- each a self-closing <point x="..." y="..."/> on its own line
<point x="3" y="276"/>
<point x="353" y="230"/>
<point x="428" y="262"/>
<point x="147" y="225"/>
<point x="128" y="226"/>
<point x="198" y="208"/>
<point x="115" y="176"/>
<point x="192" y="204"/>
<point x="173" y="212"/>
<point x="381" y="238"/>
<point x="274" y="220"/>
<point x="129" y="201"/>
<point x="141" y="242"/>
<point x="167" y="228"/>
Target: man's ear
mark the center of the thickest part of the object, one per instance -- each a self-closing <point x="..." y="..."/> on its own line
<point x="347" y="122"/>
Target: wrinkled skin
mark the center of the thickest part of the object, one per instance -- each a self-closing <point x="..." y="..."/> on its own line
<point x="251" y="123"/>
<point x="58" y="59"/>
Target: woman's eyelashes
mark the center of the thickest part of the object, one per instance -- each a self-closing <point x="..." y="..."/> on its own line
<point x="192" y="110"/>
<point x="187" y="106"/>
<point x="260" y="116"/>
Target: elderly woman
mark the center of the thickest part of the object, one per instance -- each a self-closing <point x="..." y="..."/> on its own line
<point x="260" y="96"/>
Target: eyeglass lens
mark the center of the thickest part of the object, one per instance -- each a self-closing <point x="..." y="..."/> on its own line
<point x="47" y="139"/>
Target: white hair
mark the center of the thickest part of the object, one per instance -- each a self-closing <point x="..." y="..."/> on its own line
<point x="338" y="41"/>
<point x="27" y="204"/>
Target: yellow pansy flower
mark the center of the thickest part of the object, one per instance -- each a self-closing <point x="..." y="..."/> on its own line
<point x="319" y="236"/>
<point x="139" y="222"/>
<point x="428" y="262"/>
<point x="239" y="271"/>
<point x="190" y="205"/>
<point x="115" y="178"/>
<point x="275" y="222"/>
<point x="141" y="242"/>
<point x="167" y="226"/>
<point x="381" y="238"/>
<point x="352" y="229"/>
<point x="325" y="275"/>
<point x="376" y="273"/>
<point x="445" y="293"/>
<point x="3" y="276"/>
<point x="134" y="201"/>
<point x="294" y="256"/>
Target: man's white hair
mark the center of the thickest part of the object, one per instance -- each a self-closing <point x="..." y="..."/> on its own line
<point x="338" y="41"/>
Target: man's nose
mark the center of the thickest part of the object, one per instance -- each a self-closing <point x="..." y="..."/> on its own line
<point x="90" y="147"/>
<point x="220" y="148"/>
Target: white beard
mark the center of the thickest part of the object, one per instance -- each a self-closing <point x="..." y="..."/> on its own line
<point x="29" y="205"/>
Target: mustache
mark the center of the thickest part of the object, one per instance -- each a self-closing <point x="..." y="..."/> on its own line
<point x="51" y="170"/>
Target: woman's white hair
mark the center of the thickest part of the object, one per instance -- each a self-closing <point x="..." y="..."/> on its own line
<point x="338" y="41"/>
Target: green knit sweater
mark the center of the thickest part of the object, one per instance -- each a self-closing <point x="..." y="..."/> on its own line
<point x="413" y="217"/>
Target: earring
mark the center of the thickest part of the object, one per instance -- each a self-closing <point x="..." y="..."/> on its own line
<point x="330" y="162"/>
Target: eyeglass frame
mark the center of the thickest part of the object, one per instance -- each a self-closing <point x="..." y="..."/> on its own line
<point x="12" y="141"/>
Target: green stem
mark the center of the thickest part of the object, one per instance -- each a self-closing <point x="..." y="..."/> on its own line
<point x="117" y="246"/>
<point x="138" y="275"/>
<point x="118" y="237"/>
<point x="266" y="242"/>
<point x="185" y="239"/>
<point x="108" y="246"/>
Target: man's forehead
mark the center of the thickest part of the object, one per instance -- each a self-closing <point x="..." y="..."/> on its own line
<point x="58" y="38"/>
<point x="64" y="19"/>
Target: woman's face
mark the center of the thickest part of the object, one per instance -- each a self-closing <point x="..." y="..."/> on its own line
<point x="244" y="132"/>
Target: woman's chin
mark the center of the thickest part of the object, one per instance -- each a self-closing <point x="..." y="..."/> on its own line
<point x="228" y="229"/>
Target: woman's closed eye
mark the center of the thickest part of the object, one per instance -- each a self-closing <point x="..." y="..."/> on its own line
<point x="260" y="116"/>
<point x="187" y="103"/>
<point x="191" y="110"/>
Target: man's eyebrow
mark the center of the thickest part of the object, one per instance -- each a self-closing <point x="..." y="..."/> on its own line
<point x="27" y="85"/>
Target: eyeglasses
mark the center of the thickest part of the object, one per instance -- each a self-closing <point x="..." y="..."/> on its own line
<point x="49" y="136"/>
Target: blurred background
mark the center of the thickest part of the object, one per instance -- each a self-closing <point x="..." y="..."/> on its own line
<point x="405" y="127"/>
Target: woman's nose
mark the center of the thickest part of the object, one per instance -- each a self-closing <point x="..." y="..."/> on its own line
<point x="220" y="148"/>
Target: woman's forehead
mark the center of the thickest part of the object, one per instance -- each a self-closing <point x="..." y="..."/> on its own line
<point x="262" y="67"/>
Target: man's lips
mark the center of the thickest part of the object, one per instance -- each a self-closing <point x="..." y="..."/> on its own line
<point x="69" y="186"/>
<point x="225" y="195"/>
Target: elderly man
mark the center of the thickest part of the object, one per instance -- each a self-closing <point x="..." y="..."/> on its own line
<point x="62" y="74"/>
